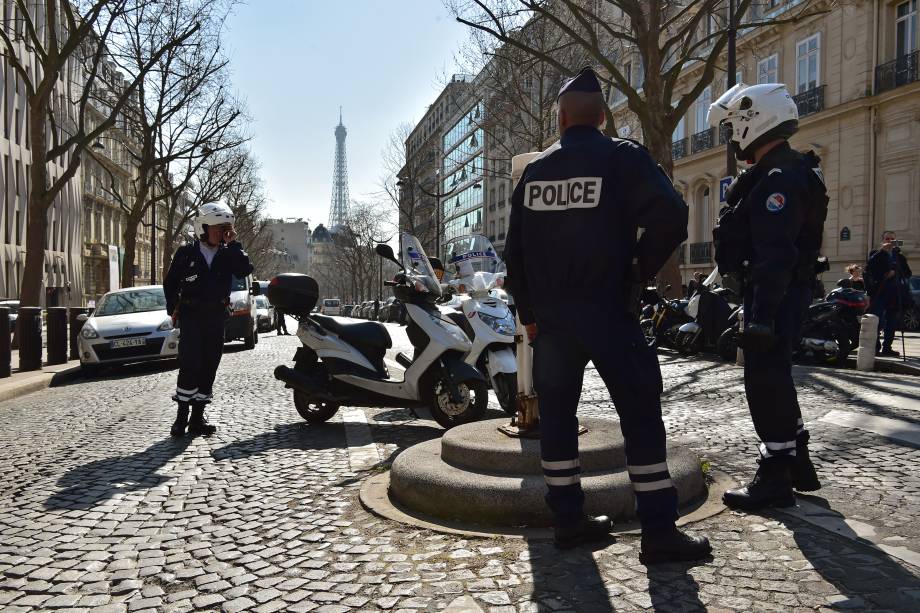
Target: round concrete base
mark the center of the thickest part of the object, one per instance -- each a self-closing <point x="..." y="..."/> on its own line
<point x="475" y="474"/>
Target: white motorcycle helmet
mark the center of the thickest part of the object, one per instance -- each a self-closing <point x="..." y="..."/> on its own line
<point x="750" y="115"/>
<point x="212" y="214"/>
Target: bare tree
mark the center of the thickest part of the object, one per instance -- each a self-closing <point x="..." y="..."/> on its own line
<point x="400" y="184"/>
<point x="353" y="271"/>
<point x="185" y="112"/>
<point x="70" y="45"/>
<point x="660" y="39"/>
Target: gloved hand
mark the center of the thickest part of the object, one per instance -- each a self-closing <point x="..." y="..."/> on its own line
<point x="758" y="336"/>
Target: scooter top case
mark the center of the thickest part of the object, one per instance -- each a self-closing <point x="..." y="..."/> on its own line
<point x="293" y="293"/>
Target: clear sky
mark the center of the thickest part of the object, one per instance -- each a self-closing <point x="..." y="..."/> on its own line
<point x="296" y="61"/>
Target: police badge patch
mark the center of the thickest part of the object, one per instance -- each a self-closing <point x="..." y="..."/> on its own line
<point x="776" y="202"/>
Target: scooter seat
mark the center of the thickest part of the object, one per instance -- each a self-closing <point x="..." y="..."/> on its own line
<point x="360" y="333"/>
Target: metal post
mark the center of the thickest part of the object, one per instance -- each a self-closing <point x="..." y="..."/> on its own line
<point x="75" y="327"/>
<point x="731" y="163"/>
<point x="153" y="244"/>
<point x="30" y="338"/>
<point x="5" y="356"/>
<point x="57" y="335"/>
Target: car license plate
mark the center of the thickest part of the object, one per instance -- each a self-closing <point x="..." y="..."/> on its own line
<point x="128" y="342"/>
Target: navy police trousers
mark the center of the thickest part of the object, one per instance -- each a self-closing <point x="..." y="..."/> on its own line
<point x="629" y="368"/>
<point x="768" y="383"/>
<point x="201" y="343"/>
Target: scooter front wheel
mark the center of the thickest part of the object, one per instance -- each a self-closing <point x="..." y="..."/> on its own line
<point x="312" y="411"/>
<point x="505" y="386"/>
<point x="474" y="398"/>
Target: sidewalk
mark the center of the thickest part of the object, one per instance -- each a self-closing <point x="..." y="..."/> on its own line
<point x="21" y="383"/>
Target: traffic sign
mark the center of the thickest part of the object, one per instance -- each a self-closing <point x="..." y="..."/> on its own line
<point x="723" y="187"/>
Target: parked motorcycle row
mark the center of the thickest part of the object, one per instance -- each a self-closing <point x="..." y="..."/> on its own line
<point x="462" y="335"/>
<point x="710" y="321"/>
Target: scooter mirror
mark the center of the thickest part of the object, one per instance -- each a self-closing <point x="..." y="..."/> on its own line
<point x="385" y="251"/>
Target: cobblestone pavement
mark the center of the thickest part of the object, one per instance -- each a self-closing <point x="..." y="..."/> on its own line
<point x="103" y="511"/>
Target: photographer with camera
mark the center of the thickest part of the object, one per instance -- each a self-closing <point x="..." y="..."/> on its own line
<point x="886" y="278"/>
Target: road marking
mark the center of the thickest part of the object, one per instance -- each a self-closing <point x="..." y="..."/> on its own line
<point x="850" y="529"/>
<point x="895" y="429"/>
<point x="362" y="451"/>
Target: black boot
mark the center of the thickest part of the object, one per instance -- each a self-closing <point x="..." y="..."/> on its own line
<point x="585" y="531"/>
<point x="672" y="545"/>
<point x="771" y="487"/>
<point x="178" y="427"/>
<point x="198" y="426"/>
<point x="804" y="476"/>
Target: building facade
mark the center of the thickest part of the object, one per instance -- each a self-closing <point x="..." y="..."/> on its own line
<point x="853" y="72"/>
<point x="419" y="178"/>
<point x="62" y="275"/>
<point x="462" y="171"/>
<point x="292" y="238"/>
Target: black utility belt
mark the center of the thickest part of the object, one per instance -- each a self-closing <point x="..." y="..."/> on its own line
<point x="203" y="305"/>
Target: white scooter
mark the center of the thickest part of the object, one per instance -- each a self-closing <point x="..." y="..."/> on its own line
<point x="342" y="362"/>
<point x="485" y="318"/>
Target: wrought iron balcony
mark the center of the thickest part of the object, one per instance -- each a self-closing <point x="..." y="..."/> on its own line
<point x="700" y="253"/>
<point x="501" y="236"/>
<point x="897" y="72"/>
<point x="680" y="148"/>
<point x="810" y="102"/>
<point x="701" y="141"/>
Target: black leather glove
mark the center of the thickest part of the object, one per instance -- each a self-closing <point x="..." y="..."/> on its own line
<point x="758" y="336"/>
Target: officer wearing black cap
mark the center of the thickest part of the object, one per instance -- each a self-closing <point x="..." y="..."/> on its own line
<point x="197" y="288"/>
<point x="572" y="248"/>
<point x="769" y="236"/>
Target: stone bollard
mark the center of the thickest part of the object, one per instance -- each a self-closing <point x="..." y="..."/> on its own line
<point x="868" y="337"/>
<point x="75" y="327"/>
<point x="30" y="338"/>
<point x="5" y="339"/>
<point x="57" y="335"/>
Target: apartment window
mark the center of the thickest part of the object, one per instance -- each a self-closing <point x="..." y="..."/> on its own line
<point x="702" y="108"/>
<point x="705" y="222"/>
<point x="768" y="70"/>
<point x="627" y="73"/>
<point x="906" y="28"/>
<point x="501" y="226"/>
<point x="492" y="228"/>
<point x="681" y="130"/>
<point x="807" y="72"/>
<point x="16" y="127"/>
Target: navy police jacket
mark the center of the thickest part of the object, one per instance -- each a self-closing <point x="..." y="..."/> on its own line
<point x="771" y="231"/>
<point x="191" y="281"/>
<point x="575" y="216"/>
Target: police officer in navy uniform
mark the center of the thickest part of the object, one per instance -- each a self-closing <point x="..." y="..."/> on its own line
<point x="769" y="235"/>
<point x="571" y="252"/>
<point x="197" y="289"/>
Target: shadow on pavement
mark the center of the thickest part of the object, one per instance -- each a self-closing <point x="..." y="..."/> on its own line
<point x="123" y="371"/>
<point x="86" y="486"/>
<point x="300" y="435"/>
<point x="672" y="588"/>
<point x="568" y="580"/>
<point x="863" y="574"/>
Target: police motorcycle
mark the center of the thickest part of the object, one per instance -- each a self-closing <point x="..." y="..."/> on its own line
<point x="660" y="319"/>
<point x="710" y="309"/>
<point x="342" y="362"/>
<point x="486" y="318"/>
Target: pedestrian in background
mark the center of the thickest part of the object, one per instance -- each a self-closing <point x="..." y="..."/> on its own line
<point x="769" y="235"/>
<point x="855" y="280"/>
<point x="596" y="192"/>
<point x="280" y="323"/>
<point x="889" y="292"/>
<point x="197" y="288"/>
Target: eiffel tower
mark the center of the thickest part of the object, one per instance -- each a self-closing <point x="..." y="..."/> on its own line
<point x="338" y="212"/>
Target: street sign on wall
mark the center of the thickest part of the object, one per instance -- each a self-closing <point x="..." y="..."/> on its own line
<point x="724" y="182"/>
<point x="113" y="267"/>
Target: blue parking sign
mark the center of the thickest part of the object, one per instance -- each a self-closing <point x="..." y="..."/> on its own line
<point x="723" y="187"/>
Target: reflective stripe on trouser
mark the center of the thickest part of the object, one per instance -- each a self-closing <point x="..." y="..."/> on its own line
<point x="200" y="347"/>
<point x="630" y="370"/>
<point x="768" y="383"/>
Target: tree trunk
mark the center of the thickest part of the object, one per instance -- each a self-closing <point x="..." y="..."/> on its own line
<point x="130" y="238"/>
<point x="659" y="144"/>
<point x="33" y="275"/>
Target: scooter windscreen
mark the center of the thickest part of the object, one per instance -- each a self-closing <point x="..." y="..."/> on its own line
<point x="473" y="258"/>
<point x="416" y="263"/>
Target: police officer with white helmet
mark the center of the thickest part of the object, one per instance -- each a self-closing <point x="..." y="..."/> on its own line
<point x="769" y="236"/>
<point x="572" y="247"/>
<point x="197" y="289"/>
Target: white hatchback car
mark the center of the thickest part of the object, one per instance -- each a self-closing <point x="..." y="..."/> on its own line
<point x="128" y="325"/>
